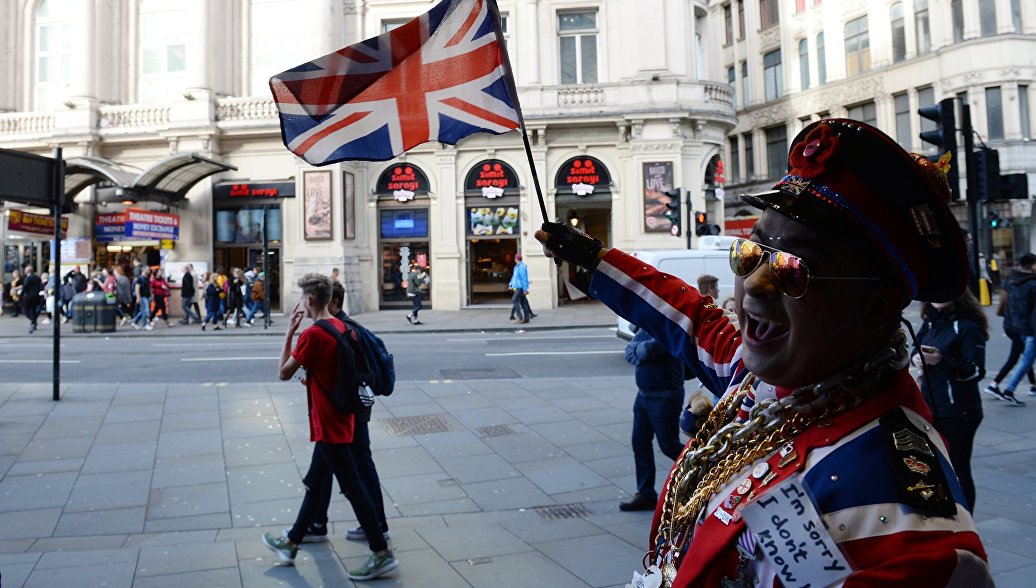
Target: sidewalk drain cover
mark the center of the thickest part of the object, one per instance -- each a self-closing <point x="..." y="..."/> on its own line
<point x="417" y="425"/>
<point x="495" y="431"/>
<point x="563" y="511"/>
<point x="492" y="374"/>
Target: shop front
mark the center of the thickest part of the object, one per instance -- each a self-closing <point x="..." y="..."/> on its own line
<point x="26" y="240"/>
<point x="491" y="210"/>
<point x="584" y="199"/>
<point x="403" y="231"/>
<point x="248" y="222"/>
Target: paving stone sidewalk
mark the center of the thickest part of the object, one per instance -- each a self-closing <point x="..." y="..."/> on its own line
<point x="491" y="483"/>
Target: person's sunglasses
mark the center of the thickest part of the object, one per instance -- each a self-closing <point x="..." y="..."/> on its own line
<point x="788" y="272"/>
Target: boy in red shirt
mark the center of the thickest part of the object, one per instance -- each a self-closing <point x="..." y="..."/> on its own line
<point x="329" y="429"/>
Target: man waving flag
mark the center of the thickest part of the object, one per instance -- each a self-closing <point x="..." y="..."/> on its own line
<point x="440" y="77"/>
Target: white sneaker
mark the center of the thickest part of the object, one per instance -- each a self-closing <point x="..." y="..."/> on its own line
<point x="47" y="322"/>
<point x="150" y="327"/>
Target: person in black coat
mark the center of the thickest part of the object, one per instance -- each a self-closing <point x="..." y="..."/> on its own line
<point x="30" y="298"/>
<point x="953" y="345"/>
<point x="1020" y="292"/>
<point x="656" y="413"/>
<point x="187" y="293"/>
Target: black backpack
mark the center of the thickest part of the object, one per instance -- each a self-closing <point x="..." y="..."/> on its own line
<point x="350" y="394"/>
<point x="380" y="374"/>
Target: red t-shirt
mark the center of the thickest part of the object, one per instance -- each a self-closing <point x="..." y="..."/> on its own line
<point x="317" y="351"/>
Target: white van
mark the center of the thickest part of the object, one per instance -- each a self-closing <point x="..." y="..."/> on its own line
<point x="711" y="257"/>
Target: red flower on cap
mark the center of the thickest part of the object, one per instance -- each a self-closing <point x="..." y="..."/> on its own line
<point x="809" y="156"/>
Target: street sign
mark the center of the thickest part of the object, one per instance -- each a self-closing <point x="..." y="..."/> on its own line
<point x="27" y="178"/>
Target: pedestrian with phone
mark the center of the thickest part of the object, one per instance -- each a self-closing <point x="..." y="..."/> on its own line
<point x="821" y="439"/>
<point x="953" y="349"/>
<point x="330" y="431"/>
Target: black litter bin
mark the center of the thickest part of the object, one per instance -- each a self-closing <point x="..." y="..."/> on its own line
<point x="91" y="313"/>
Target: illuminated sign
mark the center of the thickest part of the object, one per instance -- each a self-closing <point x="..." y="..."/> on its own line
<point x="583" y="176"/>
<point x="402" y="181"/>
<point x="253" y="190"/>
<point x="492" y="179"/>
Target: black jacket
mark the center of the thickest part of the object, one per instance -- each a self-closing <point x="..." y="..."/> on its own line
<point x="187" y="286"/>
<point x="955" y="378"/>
<point x="31" y="288"/>
<point x="658" y="373"/>
<point x="1020" y="316"/>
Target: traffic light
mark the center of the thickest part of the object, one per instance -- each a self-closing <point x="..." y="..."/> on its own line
<point x="673" y="210"/>
<point x="995" y="222"/>
<point x="701" y="223"/>
<point x="987" y="171"/>
<point x="944" y="137"/>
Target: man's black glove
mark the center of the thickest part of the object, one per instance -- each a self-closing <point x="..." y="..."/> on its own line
<point x="572" y="245"/>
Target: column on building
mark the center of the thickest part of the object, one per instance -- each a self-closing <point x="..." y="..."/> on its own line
<point x="1011" y="114"/>
<point x="972" y="23"/>
<point x="649" y="37"/>
<point x="448" y="274"/>
<point x="528" y="30"/>
<point x="1004" y="19"/>
<point x="541" y="269"/>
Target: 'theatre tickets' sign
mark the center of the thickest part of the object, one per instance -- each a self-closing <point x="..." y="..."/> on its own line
<point x="146" y="224"/>
<point x="110" y="227"/>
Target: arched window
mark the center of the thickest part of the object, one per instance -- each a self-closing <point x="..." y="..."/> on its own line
<point x="898" y="32"/>
<point x="55" y="42"/>
<point x="921" y="29"/>
<point x="804" y="63"/>
<point x="162" y="37"/>
<point x="857" y="47"/>
<point x="279" y="40"/>
<point x="821" y="60"/>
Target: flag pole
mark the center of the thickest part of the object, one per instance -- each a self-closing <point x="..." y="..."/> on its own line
<point x="535" y="176"/>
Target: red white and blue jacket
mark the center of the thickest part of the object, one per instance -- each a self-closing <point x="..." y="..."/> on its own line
<point x="844" y="464"/>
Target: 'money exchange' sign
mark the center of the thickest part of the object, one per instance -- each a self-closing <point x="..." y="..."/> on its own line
<point x="146" y="224"/>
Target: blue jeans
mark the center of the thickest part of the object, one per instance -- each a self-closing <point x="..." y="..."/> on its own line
<point x="188" y="314"/>
<point x="256" y="307"/>
<point x="658" y="417"/>
<point x="143" y="310"/>
<point x="1028" y="355"/>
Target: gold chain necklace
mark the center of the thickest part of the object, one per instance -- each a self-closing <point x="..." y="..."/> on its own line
<point x="723" y="446"/>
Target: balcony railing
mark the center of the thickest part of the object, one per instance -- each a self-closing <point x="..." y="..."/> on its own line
<point x="26" y="123"/>
<point x="247" y="108"/>
<point x="129" y="116"/>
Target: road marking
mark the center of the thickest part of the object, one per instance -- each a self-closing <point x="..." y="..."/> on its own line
<point x="228" y="358"/>
<point x="533" y="338"/>
<point x="264" y="344"/>
<point x="555" y="353"/>
<point x="38" y="361"/>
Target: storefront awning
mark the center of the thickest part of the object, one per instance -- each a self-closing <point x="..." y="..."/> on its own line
<point x="167" y="181"/>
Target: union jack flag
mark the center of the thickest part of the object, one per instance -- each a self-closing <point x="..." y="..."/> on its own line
<point x="440" y="77"/>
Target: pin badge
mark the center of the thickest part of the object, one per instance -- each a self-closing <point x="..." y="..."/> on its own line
<point x="769" y="478"/>
<point x="788" y="458"/>
<point x="724" y="516"/>
<point x="731" y="501"/>
<point x="787" y="450"/>
<point x="760" y="470"/>
<point x="917" y="466"/>
<point x="744" y="486"/>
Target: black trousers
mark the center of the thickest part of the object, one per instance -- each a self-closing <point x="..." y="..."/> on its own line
<point x="32" y="311"/>
<point x="336" y="459"/>
<point x="960" y="436"/>
<point x="417" y="306"/>
<point x="1017" y="347"/>
<point x="361" y="450"/>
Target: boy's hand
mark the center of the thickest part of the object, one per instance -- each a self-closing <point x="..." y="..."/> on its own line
<point x="297" y="314"/>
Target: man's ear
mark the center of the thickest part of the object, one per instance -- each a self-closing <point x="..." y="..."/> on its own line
<point x="882" y="307"/>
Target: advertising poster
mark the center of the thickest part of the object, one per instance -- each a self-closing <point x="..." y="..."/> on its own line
<point x="37" y="224"/>
<point x="658" y="179"/>
<point x="316" y="205"/>
<point x="487" y="220"/>
<point x="245" y="225"/>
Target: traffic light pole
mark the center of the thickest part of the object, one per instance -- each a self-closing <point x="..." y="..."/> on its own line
<point x="974" y="227"/>
<point x="690" y="219"/>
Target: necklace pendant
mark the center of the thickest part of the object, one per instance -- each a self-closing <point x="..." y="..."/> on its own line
<point x="668" y="574"/>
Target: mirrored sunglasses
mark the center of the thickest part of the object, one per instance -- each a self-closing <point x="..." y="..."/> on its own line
<point x="789" y="273"/>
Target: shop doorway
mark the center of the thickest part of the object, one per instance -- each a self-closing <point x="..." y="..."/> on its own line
<point x="393" y="294"/>
<point x="595" y="218"/>
<point x="244" y="257"/>
<point x="491" y="262"/>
